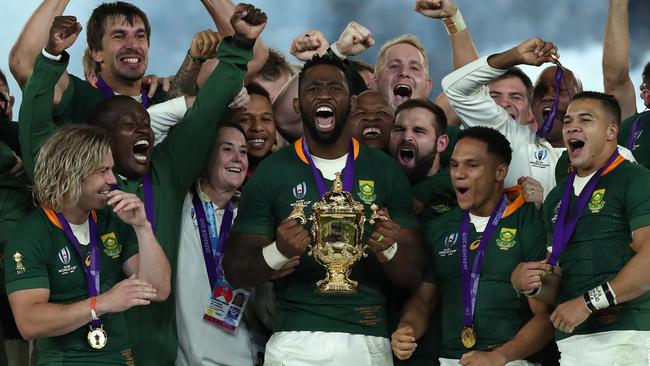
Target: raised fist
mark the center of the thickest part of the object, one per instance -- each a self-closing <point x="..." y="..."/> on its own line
<point x="204" y="45"/>
<point x="536" y="51"/>
<point x="436" y="9"/>
<point x="354" y="39"/>
<point x="306" y="45"/>
<point x="63" y="33"/>
<point x="248" y="21"/>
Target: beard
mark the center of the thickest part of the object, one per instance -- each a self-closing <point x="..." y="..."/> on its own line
<point x="309" y="124"/>
<point x="421" y="168"/>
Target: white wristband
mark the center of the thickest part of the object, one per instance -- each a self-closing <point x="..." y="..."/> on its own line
<point x="337" y="52"/>
<point x="273" y="257"/>
<point x="93" y="314"/>
<point x="598" y="298"/>
<point x="455" y="23"/>
<point x="50" y="56"/>
<point x="390" y="252"/>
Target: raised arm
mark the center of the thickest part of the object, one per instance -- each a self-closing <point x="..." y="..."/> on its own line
<point x="616" y="58"/>
<point x="203" y="48"/>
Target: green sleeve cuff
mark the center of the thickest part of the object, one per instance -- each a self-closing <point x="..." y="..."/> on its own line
<point x="255" y="229"/>
<point x="28" y="284"/>
<point x="639" y="222"/>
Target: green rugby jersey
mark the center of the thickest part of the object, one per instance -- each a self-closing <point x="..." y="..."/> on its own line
<point x="285" y="178"/>
<point x="176" y="163"/>
<point x="641" y="149"/>
<point x="500" y="311"/>
<point x="40" y="255"/>
<point x="436" y="193"/>
<point x="599" y="246"/>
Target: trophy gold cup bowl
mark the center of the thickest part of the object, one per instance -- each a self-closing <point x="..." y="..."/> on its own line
<point x="337" y="231"/>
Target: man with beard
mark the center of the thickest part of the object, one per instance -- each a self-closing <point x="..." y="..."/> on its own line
<point x="597" y="222"/>
<point x="473" y="249"/>
<point x="163" y="174"/>
<point x="314" y="328"/>
<point x="371" y="120"/>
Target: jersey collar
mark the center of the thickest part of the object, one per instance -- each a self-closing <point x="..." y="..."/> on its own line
<point x="301" y="154"/>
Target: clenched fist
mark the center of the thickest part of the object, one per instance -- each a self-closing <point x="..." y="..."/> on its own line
<point x="63" y="33"/>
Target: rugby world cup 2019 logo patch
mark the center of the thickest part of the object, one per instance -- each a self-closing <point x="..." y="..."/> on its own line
<point x="367" y="191"/>
<point x="450" y="242"/>
<point x="506" y="239"/>
<point x="540" y="158"/>
<point x="64" y="255"/>
<point x="299" y="191"/>
<point x="597" y="201"/>
<point x="111" y="247"/>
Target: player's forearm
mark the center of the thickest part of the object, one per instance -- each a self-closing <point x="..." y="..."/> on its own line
<point x="532" y="337"/>
<point x="46" y="319"/>
<point x="32" y="38"/>
<point x="634" y="279"/>
<point x="153" y="266"/>
<point x="416" y="312"/>
<point x="463" y="50"/>
<point x="184" y="82"/>
<point x="405" y="268"/>
<point x="244" y="264"/>
<point x="616" y="57"/>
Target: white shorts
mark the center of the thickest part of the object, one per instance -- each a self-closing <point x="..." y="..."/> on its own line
<point x="453" y="362"/>
<point x="616" y="348"/>
<point x="327" y="348"/>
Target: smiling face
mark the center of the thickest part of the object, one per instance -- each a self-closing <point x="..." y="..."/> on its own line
<point x="372" y="119"/>
<point x="229" y="160"/>
<point x="589" y="134"/>
<point x="477" y="176"/>
<point x="544" y="96"/>
<point x="257" y="121"/>
<point x="324" y="103"/>
<point x="132" y="138"/>
<point x="96" y="186"/>
<point x="124" y="49"/>
<point x="414" y="142"/>
<point x="510" y="94"/>
<point x="403" y="74"/>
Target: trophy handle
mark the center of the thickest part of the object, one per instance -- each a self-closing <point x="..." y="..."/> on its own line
<point x="375" y="217"/>
<point x="298" y="213"/>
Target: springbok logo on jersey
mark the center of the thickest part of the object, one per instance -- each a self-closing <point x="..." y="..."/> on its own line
<point x="367" y="191"/>
<point x="300" y="191"/>
<point x="111" y="247"/>
<point x="506" y="239"/>
<point x="597" y="201"/>
<point x="64" y="255"/>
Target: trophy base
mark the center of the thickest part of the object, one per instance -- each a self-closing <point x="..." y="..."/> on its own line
<point x="331" y="288"/>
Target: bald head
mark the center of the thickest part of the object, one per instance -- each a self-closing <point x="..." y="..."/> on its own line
<point x="372" y="119"/>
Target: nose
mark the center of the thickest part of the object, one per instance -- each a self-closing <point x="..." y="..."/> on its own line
<point x="407" y="136"/>
<point x="256" y="125"/>
<point x="110" y="178"/>
<point x="457" y="172"/>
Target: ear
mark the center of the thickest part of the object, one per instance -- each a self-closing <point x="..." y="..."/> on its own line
<point x="502" y="172"/>
<point x="296" y="105"/>
<point x="531" y="117"/>
<point x="645" y="95"/>
<point x="429" y="86"/>
<point x="442" y="143"/>
<point x="612" y="132"/>
<point x="353" y="103"/>
<point x="97" y="56"/>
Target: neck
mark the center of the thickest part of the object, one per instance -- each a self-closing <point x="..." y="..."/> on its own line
<point x="121" y="86"/>
<point x="75" y="215"/>
<point x="435" y="167"/>
<point x="488" y="207"/>
<point x="331" y="151"/>
<point x="555" y="142"/>
<point x="218" y="196"/>
<point x="598" y="163"/>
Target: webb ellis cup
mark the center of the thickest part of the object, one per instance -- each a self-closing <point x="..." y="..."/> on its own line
<point x="337" y="231"/>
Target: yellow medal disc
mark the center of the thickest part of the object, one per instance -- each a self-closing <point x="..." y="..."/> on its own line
<point x="97" y="338"/>
<point x="468" y="337"/>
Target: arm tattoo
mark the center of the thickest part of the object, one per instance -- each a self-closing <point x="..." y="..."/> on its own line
<point x="184" y="82"/>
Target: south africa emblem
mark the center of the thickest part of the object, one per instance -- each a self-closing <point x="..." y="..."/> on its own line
<point x="506" y="239"/>
<point x="367" y="191"/>
<point x="597" y="201"/>
<point x="111" y="247"/>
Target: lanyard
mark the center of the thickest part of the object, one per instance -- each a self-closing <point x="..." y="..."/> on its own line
<point x="470" y="277"/>
<point x="348" y="171"/>
<point x="546" y="127"/>
<point x="567" y="221"/>
<point x="147" y="187"/>
<point x="212" y="252"/>
<point x="101" y="85"/>
<point x="91" y="269"/>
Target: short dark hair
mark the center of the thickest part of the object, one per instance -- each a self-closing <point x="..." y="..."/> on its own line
<point x="359" y="65"/>
<point x="326" y="59"/>
<point x="608" y="102"/>
<point x="274" y="66"/>
<point x="497" y="144"/>
<point x="257" y="89"/>
<point x="97" y="23"/>
<point x="515" y="72"/>
<point x="3" y="79"/>
<point x="105" y="113"/>
<point x="440" y="123"/>
<point x="646" y="73"/>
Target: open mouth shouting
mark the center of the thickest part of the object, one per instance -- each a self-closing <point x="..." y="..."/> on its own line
<point x="141" y="150"/>
<point x="324" y="118"/>
<point x="402" y="92"/>
<point x="575" y="147"/>
<point x="406" y="154"/>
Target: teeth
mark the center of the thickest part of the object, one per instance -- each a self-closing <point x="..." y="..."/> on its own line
<point x="324" y="126"/>
<point x="234" y="170"/>
<point x="547" y="109"/>
<point x="256" y="142"/>
<point x="142" y="142"/>
<point x="140" y="157"/>
<point x="131" y="60"/>
<point x="371" y="131"/>
<point x="324" y="109"/>
<point x="105" y="191"/>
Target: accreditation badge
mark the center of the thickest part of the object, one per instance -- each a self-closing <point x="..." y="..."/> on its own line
<point x="226" y="307"/>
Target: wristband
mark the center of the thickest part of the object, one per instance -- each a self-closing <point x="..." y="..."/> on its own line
<point x="195" y="60"/>
<point x="335" y="50"/>
<point x="600" y="297"/>
<point x="455" y="23"/>
<point x="50" y="56"/>
<point x="531" y="292"/>
<point x="389" y="252"/>
<point x="93" y="306"/>
<point x="609" y="294"/>
<point x="273" y="257"/>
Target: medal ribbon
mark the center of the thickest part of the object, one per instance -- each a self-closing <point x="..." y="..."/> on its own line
<point x="631" y="140"/>
<point x="91" y="269"/>
<point x="212" y="255"/>
<point x="567" y="221"/>
<point x="101" y="85"/>
<point x="470" y="278"/>
<point x="546" y="127"/>
<point x="147" y="187"/>
<point x="348" y="171"/>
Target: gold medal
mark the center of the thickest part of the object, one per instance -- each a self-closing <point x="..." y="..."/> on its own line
<point x="97" y="337"/>
<point x="468" y="336"/>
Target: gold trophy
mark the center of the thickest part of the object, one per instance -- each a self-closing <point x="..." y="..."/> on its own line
<point x="337" y="231"/>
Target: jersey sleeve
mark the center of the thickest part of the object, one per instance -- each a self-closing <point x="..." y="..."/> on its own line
<point x="534" y="234"/>
<point x="26" y="259"/>
<point x="255" y="213"/>
<point x="637" y="198"/>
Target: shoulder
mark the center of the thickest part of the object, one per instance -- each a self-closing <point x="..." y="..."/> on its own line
<point x="32" y="229"/>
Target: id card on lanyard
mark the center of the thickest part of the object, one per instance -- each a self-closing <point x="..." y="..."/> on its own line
<point x="226" y="307"/>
